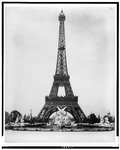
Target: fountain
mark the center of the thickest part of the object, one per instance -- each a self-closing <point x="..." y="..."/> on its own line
<point x="61" y="118"/>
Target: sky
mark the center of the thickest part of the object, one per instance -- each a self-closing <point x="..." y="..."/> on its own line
<point x="31" y="45"/>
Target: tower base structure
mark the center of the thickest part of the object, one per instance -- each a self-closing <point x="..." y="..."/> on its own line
<point x="70" y="105"/>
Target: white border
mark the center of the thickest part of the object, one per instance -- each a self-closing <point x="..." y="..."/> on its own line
<point x="60" y="143"/>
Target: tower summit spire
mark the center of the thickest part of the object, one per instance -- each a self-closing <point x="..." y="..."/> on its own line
<point x="62" y="16"/>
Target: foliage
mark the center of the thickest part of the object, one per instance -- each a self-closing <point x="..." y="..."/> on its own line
<point x="13" y="115"/>
<point x="30" y="119"/>
<point x="7" y="119"/>
<point x="92" y="119"/>
<point x="111" y="119"/>
<point x="26" y="118"/>
<point x="85" y="120"/>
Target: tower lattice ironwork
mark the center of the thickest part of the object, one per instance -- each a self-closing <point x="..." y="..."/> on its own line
<point x="61" y="79"/>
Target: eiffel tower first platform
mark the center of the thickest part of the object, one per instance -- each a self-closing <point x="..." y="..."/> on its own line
<point x="61" y="78"/>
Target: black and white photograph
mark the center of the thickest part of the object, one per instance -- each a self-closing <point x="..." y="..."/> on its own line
<point x="60" y="74"/>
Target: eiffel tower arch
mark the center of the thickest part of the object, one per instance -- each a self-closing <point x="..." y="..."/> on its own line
<point x="61" y="79"/>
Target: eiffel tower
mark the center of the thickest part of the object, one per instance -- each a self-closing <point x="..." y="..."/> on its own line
<point x="61" y="79"/>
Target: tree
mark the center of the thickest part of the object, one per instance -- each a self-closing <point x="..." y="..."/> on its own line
<point x="28" y="119"/>
<point x="85" y="120"/>
<point x="92" y="118"/>
<point x="13" y="115"/>
<point x="111" y="119"/>
<point x="33" y="119"/>
<point x="7" y="119"/>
